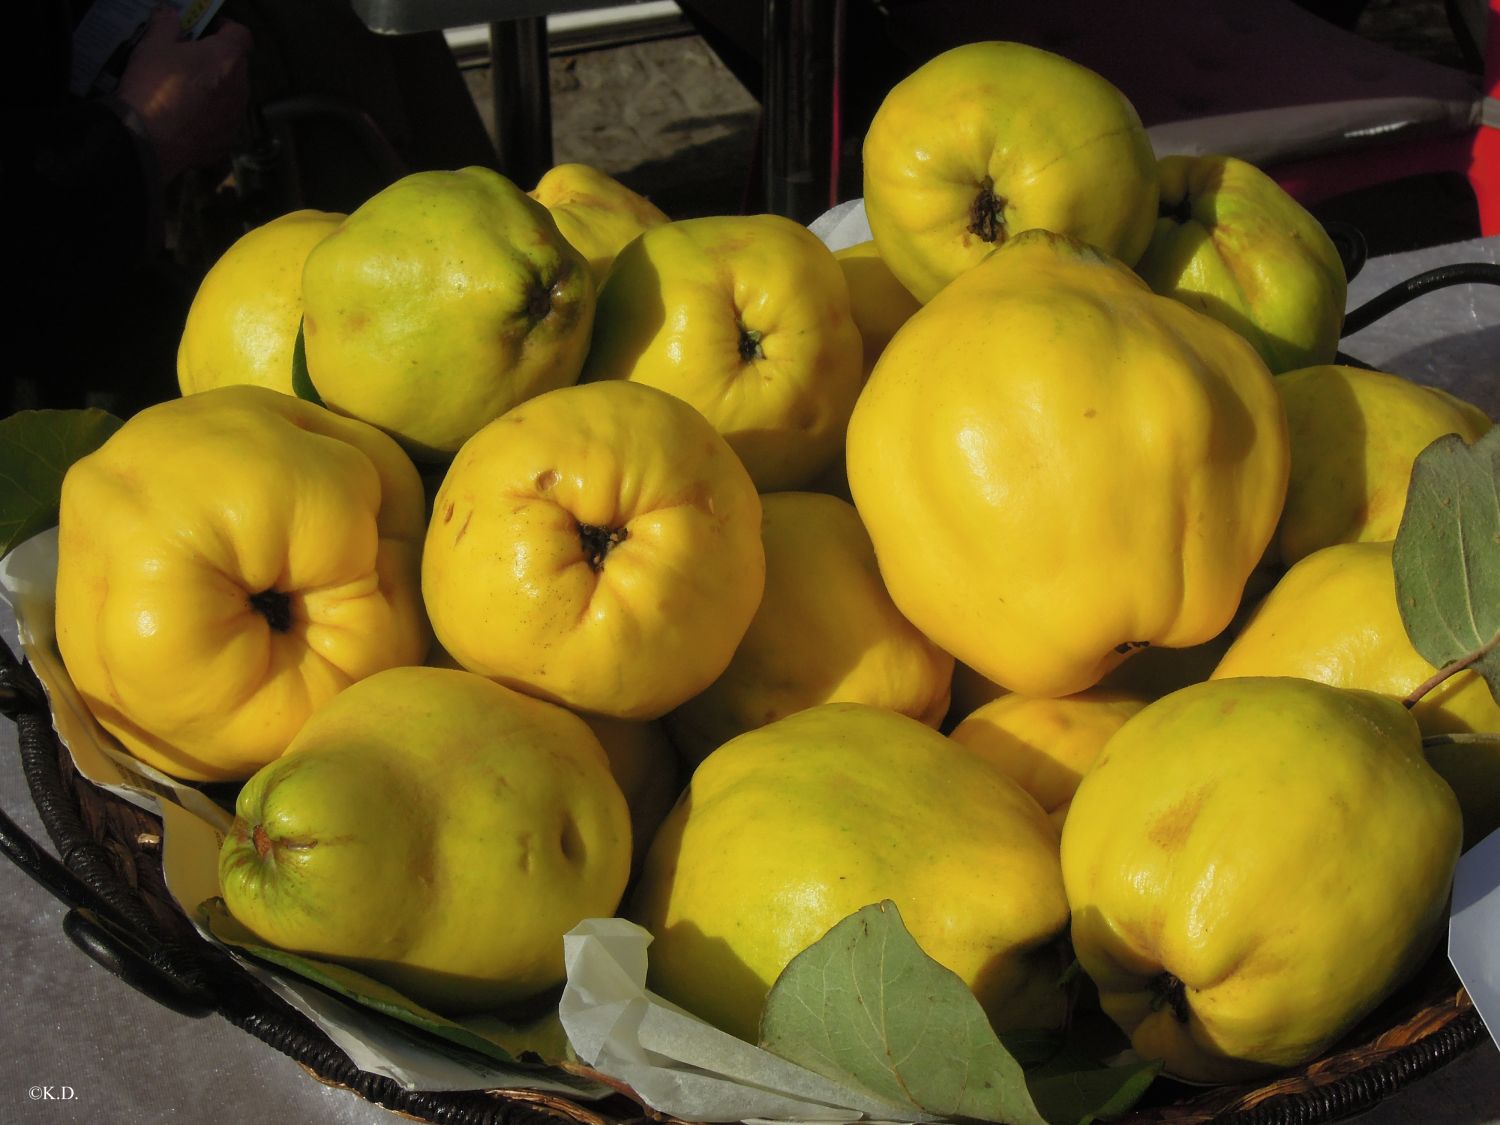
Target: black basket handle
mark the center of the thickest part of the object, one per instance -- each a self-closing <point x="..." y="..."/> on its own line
<point x="1459" y="273"/>
<point x="161" y="972"/>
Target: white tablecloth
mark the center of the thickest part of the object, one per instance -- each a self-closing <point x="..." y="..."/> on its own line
<point x="70" y="1024"/>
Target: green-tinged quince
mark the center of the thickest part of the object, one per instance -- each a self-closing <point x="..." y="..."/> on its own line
<point x="792" y="827"/>
<point x="440" y="303"/>
<point x="436" y="831"/>
<point x="1230" y="242"/>
<point x="1252" y="866"/>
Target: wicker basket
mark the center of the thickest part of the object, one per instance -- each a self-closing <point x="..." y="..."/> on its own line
<point x="122" y="915"/>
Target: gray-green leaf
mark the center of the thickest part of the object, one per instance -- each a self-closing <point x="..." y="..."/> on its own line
<point x="1070" y="1091"/>
<point x="865" y="1006"/>
<point x="36" y="448"/>
<point x="490" y="1036"/>
<point x="1447" y="555"/>
<point x="302" y="384"/>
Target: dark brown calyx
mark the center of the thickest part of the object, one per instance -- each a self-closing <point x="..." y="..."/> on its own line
<point x="1179" y="211"/>
<point x="539" y="302"/>
<point x="275" y="607"/>
<point x="987" y="213"/>
<point x="598" y="542"/>
<point x="1166" y="990"/>
<point x="262" y="841"/>
<point x="750" y="348"/>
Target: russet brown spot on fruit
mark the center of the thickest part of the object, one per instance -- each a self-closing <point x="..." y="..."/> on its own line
<point x="262" y="840"/>
<point x="1170" y="830"/>
<point x="546" y="480"/>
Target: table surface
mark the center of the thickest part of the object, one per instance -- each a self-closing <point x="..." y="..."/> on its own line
<point x="108" y="1053"/>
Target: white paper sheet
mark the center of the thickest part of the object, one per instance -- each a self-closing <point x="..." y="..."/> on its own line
<point x="677" y="1063"/>
<point x="1474" y="929"/>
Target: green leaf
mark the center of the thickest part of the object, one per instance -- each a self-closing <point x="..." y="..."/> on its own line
<point x="302" y="384"/>
<point x="1069" y="1092"/>
<point x="1447" y="555"/>
<point x="490" y="1036"/>
<point x="36" y="449"/>
<point x="865" y="1006"/>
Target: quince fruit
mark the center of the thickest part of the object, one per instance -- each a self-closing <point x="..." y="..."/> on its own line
<point x="228" y="562"/>
<point x="790" y="828"/>
<point x="1355" y="435"/>
<point x="990" y="139"/>
<point x="1046" y="745"/>
<point x="1333" y="618"/>
<point x="826" y="631"/>
<point x="436" y="831"/>
<point x="879" y="303"/>
<point x="596" y="213"/>
<point x="747" y="319"/>
<point x="1231" y="243"/>
<point x="1058" y="467"/>
<point x="243" y="321"/>
<point x="1252" y="866"/>
<point x="598" y="546"/>
<point x="440" y="303"/>
<point x="646" y="766"/>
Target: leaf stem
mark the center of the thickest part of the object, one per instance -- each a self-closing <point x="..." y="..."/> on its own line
<point x="1450" y="669"/>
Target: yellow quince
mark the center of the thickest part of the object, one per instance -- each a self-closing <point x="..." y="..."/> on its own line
<point x="598" y="546"/>
<point x="826" y="631"/>
<point x="229" y="561"/>
<point x="792" y="827"/>
<point x="991" y="139"/>
<point x="746" y="318"/>
<point x="1333" y="618"/>
<point x="1058" y="467"/>
<point x="1046" y="745"/>
<point x="1355" y="434"/>
<point x="596" y="213"/>
<point x="243" y="321"/>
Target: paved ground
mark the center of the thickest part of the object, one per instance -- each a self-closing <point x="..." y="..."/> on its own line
<point x="666" y="117"/>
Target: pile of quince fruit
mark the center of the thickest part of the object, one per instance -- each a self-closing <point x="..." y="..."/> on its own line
<point x="492" y="525"/>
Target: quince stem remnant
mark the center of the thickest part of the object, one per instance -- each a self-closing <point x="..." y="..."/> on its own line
<point x="275" y="607"/>
<point x="599" y="541"/>
<point x="987" y="213"/>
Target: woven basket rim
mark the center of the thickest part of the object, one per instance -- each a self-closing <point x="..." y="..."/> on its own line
<point x="1349" y="1080"/>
